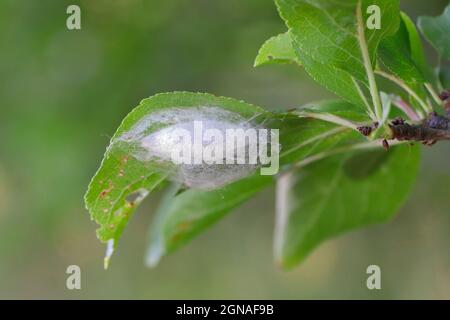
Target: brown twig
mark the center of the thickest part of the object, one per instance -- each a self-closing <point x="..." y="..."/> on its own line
<point x="434" y="128"/>
<point x="420" y="132"/>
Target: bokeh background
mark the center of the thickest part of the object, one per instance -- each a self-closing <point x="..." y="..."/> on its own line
<point x="63" y="93"/>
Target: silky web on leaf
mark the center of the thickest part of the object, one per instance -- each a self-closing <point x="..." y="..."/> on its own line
<point x="152" y="140"/>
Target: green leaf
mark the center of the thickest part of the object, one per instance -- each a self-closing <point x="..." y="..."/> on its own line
<point x="166" y="101"/>
<point x="303" y="140"/>
<point x="183" y="216"/>
<point x="326" y="31"/>
<point x="304" y="137"/>
<point x="190" y="212"/>
<point x="444" y="76"/>
<point x="338" y="194"/>
<point x="335" y="80"/>
<point x="277" y="50"/>
<point x="436" y="31"/>
<point x="117" y="188"/>
<point x="416" y="48"/>
<point x="337" y="108"/>
<point x="124" y="179"/>
<point x="395" y="53"/>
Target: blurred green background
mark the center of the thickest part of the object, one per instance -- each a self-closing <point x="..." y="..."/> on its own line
<point x="64" y="92"/>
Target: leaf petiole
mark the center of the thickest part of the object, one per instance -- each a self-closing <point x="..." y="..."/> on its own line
<point x="363" y="97"/>
<point x="406" y="108"/>
<point x="433" y="93"/>
<point x="368" y="65"/>
<point x="328" y="117"/>
<point x="405" y="87"/>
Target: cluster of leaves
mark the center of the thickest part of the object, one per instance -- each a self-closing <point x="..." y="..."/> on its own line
<point x="333" y="179"/>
